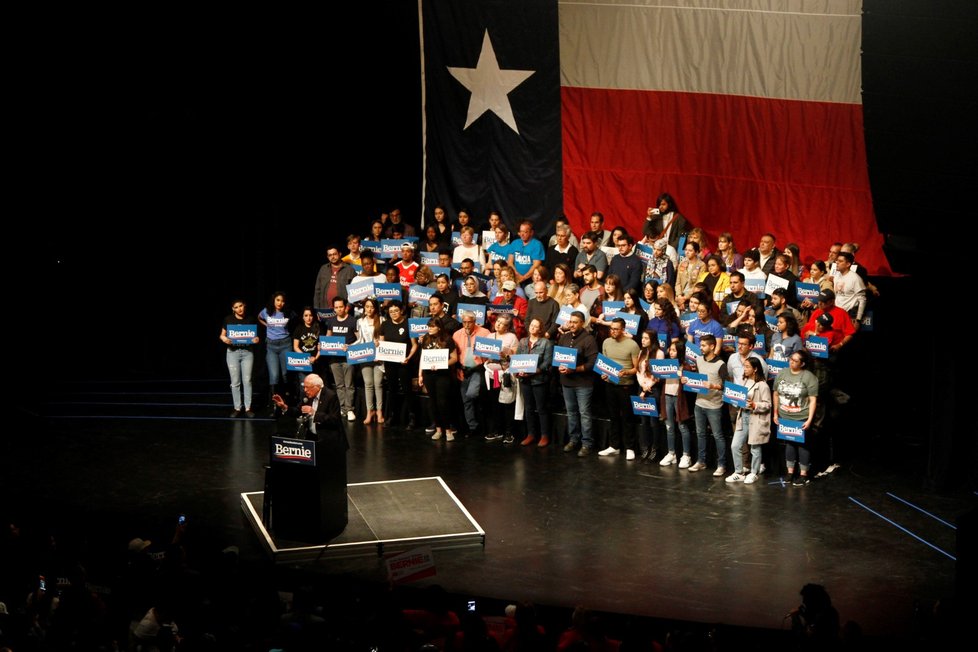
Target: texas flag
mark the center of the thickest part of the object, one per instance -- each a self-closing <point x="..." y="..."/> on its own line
<point x="747" y="112"/>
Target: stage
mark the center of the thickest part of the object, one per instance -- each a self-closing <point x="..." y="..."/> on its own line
<point x="116" y="461"/>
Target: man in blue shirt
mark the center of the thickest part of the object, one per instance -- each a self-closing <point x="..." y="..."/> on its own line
<point x="527" y="255"/>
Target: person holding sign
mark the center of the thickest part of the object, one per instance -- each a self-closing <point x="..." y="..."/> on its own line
<point x="508" y="298"/>
<point x="275" y="317"/>
<point x="345" y="326"/>
<point x="650" y="386"/>
<point x="369" y="330"/>
<point x="621" y="348"/>
<point x="534" y="386"/>
<point x="795" y="399"/>
<point x="240" y="355"/>
<point x="753" y="423"/>
<point x="470" y="367"/>
<point x="500" y="385"/>
<point x="577" y="384"/>
<point x="709" y="405"/>
<point x="676" y="410"/>
<point x="785" y="339"/>
<point x="395" y="329"/>
<point x="438" y="382"/>
<point x="305" y="338"/>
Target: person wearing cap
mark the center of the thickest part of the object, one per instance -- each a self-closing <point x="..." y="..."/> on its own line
<point x="508" y="297"/>
<point x="840" y="321"/>
<point x="407" y="267"/>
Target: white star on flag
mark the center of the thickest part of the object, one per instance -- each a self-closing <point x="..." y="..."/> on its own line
<point x="490" y="86"/>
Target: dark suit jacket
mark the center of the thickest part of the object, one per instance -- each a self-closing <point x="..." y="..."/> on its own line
<point x="328" y="420"/>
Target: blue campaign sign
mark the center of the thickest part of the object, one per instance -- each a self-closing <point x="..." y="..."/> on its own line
<point x="808" y="291"/>
<point x="611" y="308"/>
<point x="646" y="306"/>
<point x="759" y="344"/>
<point x="293" y="451"/>
<point x="371" y="245"/>
<point x="866" y="324"/>
<point x="298" y="361"/>
<point x="418" y="326"/>
<point x="565" y="356"/>
<point x="645" y="407"/>
<point x="605" y="365"/>
<point x="477" y="309"/>
<point x="488" y="347"/>
<point x="360" y="353"/>
<point x="729" y="341"/>
<point x="774" y="367"/>
<point x="456" y="239"/>
<point x="663" y="341"/>
<point x="391" y="248"/>
<point x="420" y="294"/>
<point x="755" y="285"/>
<point x="667" y="368"/>
<point x="696" y="383"/>
<point x="322" y="314"/>
<point x="817" y="346"/>
<point x="243" y="334"/>
<point x="359" y="290"/>
<point x="631" y="322"/>
<point x="332" y="345"/>
<point x="735" y="395"/>
<point x="771" y="321"/>
<point x="564" y="315"/>
<point x="438" y="269"/>
<point x="524" y="363"/>
<point x="732" y="307"/>
<point x="693" y="351"/>
<point x="384" y="291"/>
<point x="644" y="252"/>
<point x="428" y="258"/>
<point x="791" y="431"/>
<point x="686" y="319"/>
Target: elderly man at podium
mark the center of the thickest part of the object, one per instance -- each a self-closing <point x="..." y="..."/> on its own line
<point x="319" y="413"/>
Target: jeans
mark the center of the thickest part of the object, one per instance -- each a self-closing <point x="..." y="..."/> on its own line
<point x="276" y="359"/>
<point x="715" y="417"/>
<point x="578" y="403"/>
<point x="739" y="439"/>
<point x="343" y="378"/>
<point x="373" y="385"/>
<point x="671" y="425"/>
<point x="240" y="364"/>
<point x="799" y="452"/>
<point x="755" y="458"/>
<point x="535" y="410"/>
<point x="471" y="391"/>
<point x="618" y="399"/>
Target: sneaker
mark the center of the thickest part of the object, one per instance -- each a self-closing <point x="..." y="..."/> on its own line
<point x="832" y="467"/>
<point x="235" y="414"/>
<point x="650" y="457"/>
<point x="544" y="442"/>
<point x="734" y="477"/>
<point x="437" y="435"/>
<point x="611" y="450"/>
<point x="799" y="481"/>
<point x="528" y="440"/>
<point x="493" y="437"/>
<point x="570" y="447"/>
<point x="763" y="469"/>
<point x="630" y="455"/>
<point x="699" y="466"/>
<point x="249" y="414"/>
<point x="509" y="439"/>
<point x="684" y="462"/>
<point x="720" y="472"/>
<point x="668" y="460"/>
<point x="584" y="452"/>
<point x="430" y="430"/>
<point x="449" y="435"/>
<point x="350" y="416"/>
<point x="751" y="478"/>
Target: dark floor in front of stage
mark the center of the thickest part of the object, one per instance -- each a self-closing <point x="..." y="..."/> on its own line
<point x="123" y="460"/>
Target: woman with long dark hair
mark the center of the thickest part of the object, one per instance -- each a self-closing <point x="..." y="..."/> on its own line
<point x="438" y="382"/>
<point x="369" y="330"/>
<point x="676" y="410"/>
<point x="240" y="357"/>
<point x="275" y="317"/>
<point x="650" y="430"/>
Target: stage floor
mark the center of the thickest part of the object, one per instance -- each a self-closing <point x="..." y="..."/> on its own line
<point x="384" y="517"/>
<point x="614" y="535"/>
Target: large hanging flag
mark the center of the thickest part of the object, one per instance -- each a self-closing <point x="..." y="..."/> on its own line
<point x="747" y="112"/>
<point x="491" y="93"/>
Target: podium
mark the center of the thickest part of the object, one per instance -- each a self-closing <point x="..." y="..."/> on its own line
<point x="306" y="488"/>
